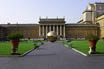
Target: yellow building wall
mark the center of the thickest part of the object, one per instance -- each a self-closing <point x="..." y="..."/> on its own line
<point x="100" y="21"/>
<point x="102" y="32"/>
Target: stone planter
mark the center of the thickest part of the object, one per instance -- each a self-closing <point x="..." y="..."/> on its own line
<point x="92" y="43"/>
<point x="15" y="44"/>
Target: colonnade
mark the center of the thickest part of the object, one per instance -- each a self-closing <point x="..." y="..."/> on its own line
<point x="44" y="29"/>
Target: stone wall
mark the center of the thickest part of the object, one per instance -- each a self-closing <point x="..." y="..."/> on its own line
<point x="81" y="31"/>
<point x="28" y="30"/>
<point x="72" y="31"/>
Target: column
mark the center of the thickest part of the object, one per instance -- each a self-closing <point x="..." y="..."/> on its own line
<point x="57" y="29"/>
<point x="49" y="28"/>
<point x="39" y="30"/>
<point x="43" y="30"/>
<point x="60" y="30"/>
<point x="54" y="28"/>
<point x="64" y="31"/>
<point x="46" y="30"/>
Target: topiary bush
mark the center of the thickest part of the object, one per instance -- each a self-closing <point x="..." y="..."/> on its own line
<point x="15" y="36"/>
<point x="92" y="37"/>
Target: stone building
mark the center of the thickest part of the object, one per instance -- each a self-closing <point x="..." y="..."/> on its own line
<point x="56" y="25"/>
<point x="100" y="21"/>
<point x="91" y="13"/>
<point x="59" y="25"/>
<point x="94" y="14"/>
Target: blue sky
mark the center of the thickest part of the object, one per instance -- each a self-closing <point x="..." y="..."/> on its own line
<point x="29" y="11"/>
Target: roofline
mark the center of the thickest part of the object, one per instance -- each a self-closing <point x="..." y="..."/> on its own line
<point x="99" y="3"/>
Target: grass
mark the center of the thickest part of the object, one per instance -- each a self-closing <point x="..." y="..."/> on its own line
<point x="83" y="46"/>
<point x="6" y="48"/>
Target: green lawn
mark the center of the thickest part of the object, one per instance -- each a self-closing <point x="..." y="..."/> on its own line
<point x="83" y="46"/>
<point x="6" y="48"/>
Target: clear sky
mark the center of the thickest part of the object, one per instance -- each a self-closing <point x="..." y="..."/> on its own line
<point x="29" y="11"/>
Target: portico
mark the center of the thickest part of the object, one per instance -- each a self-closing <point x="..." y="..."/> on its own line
<point x="56" y="25"/>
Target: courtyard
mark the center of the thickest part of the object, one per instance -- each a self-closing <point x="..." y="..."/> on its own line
<point x="25" y="46"/>
<point x="51" y="34"/>
<point x="52" y="56"/>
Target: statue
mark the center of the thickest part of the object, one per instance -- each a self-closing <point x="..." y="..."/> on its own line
<point x="51" y="36"/>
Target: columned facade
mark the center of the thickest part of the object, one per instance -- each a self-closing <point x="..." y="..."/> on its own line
<point x="45" y="28"/>
<point x="57" y="25"/>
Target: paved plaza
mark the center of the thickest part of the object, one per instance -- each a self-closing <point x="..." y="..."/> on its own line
<point x="52" y="56"/>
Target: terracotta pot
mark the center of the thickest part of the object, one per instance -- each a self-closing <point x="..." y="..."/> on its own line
<point x="92" y="43"/>
<point x="15" y="44"/>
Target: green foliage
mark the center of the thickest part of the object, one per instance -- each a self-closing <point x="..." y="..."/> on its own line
<point x="93" y="37"/>
<point x="15" y="36"/>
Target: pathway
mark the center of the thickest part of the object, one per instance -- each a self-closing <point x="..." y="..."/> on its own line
<point x="52" y="56"/>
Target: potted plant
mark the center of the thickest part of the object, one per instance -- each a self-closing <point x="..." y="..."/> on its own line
<point x="14" y="39"/>
<point x="92" y="42"/>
